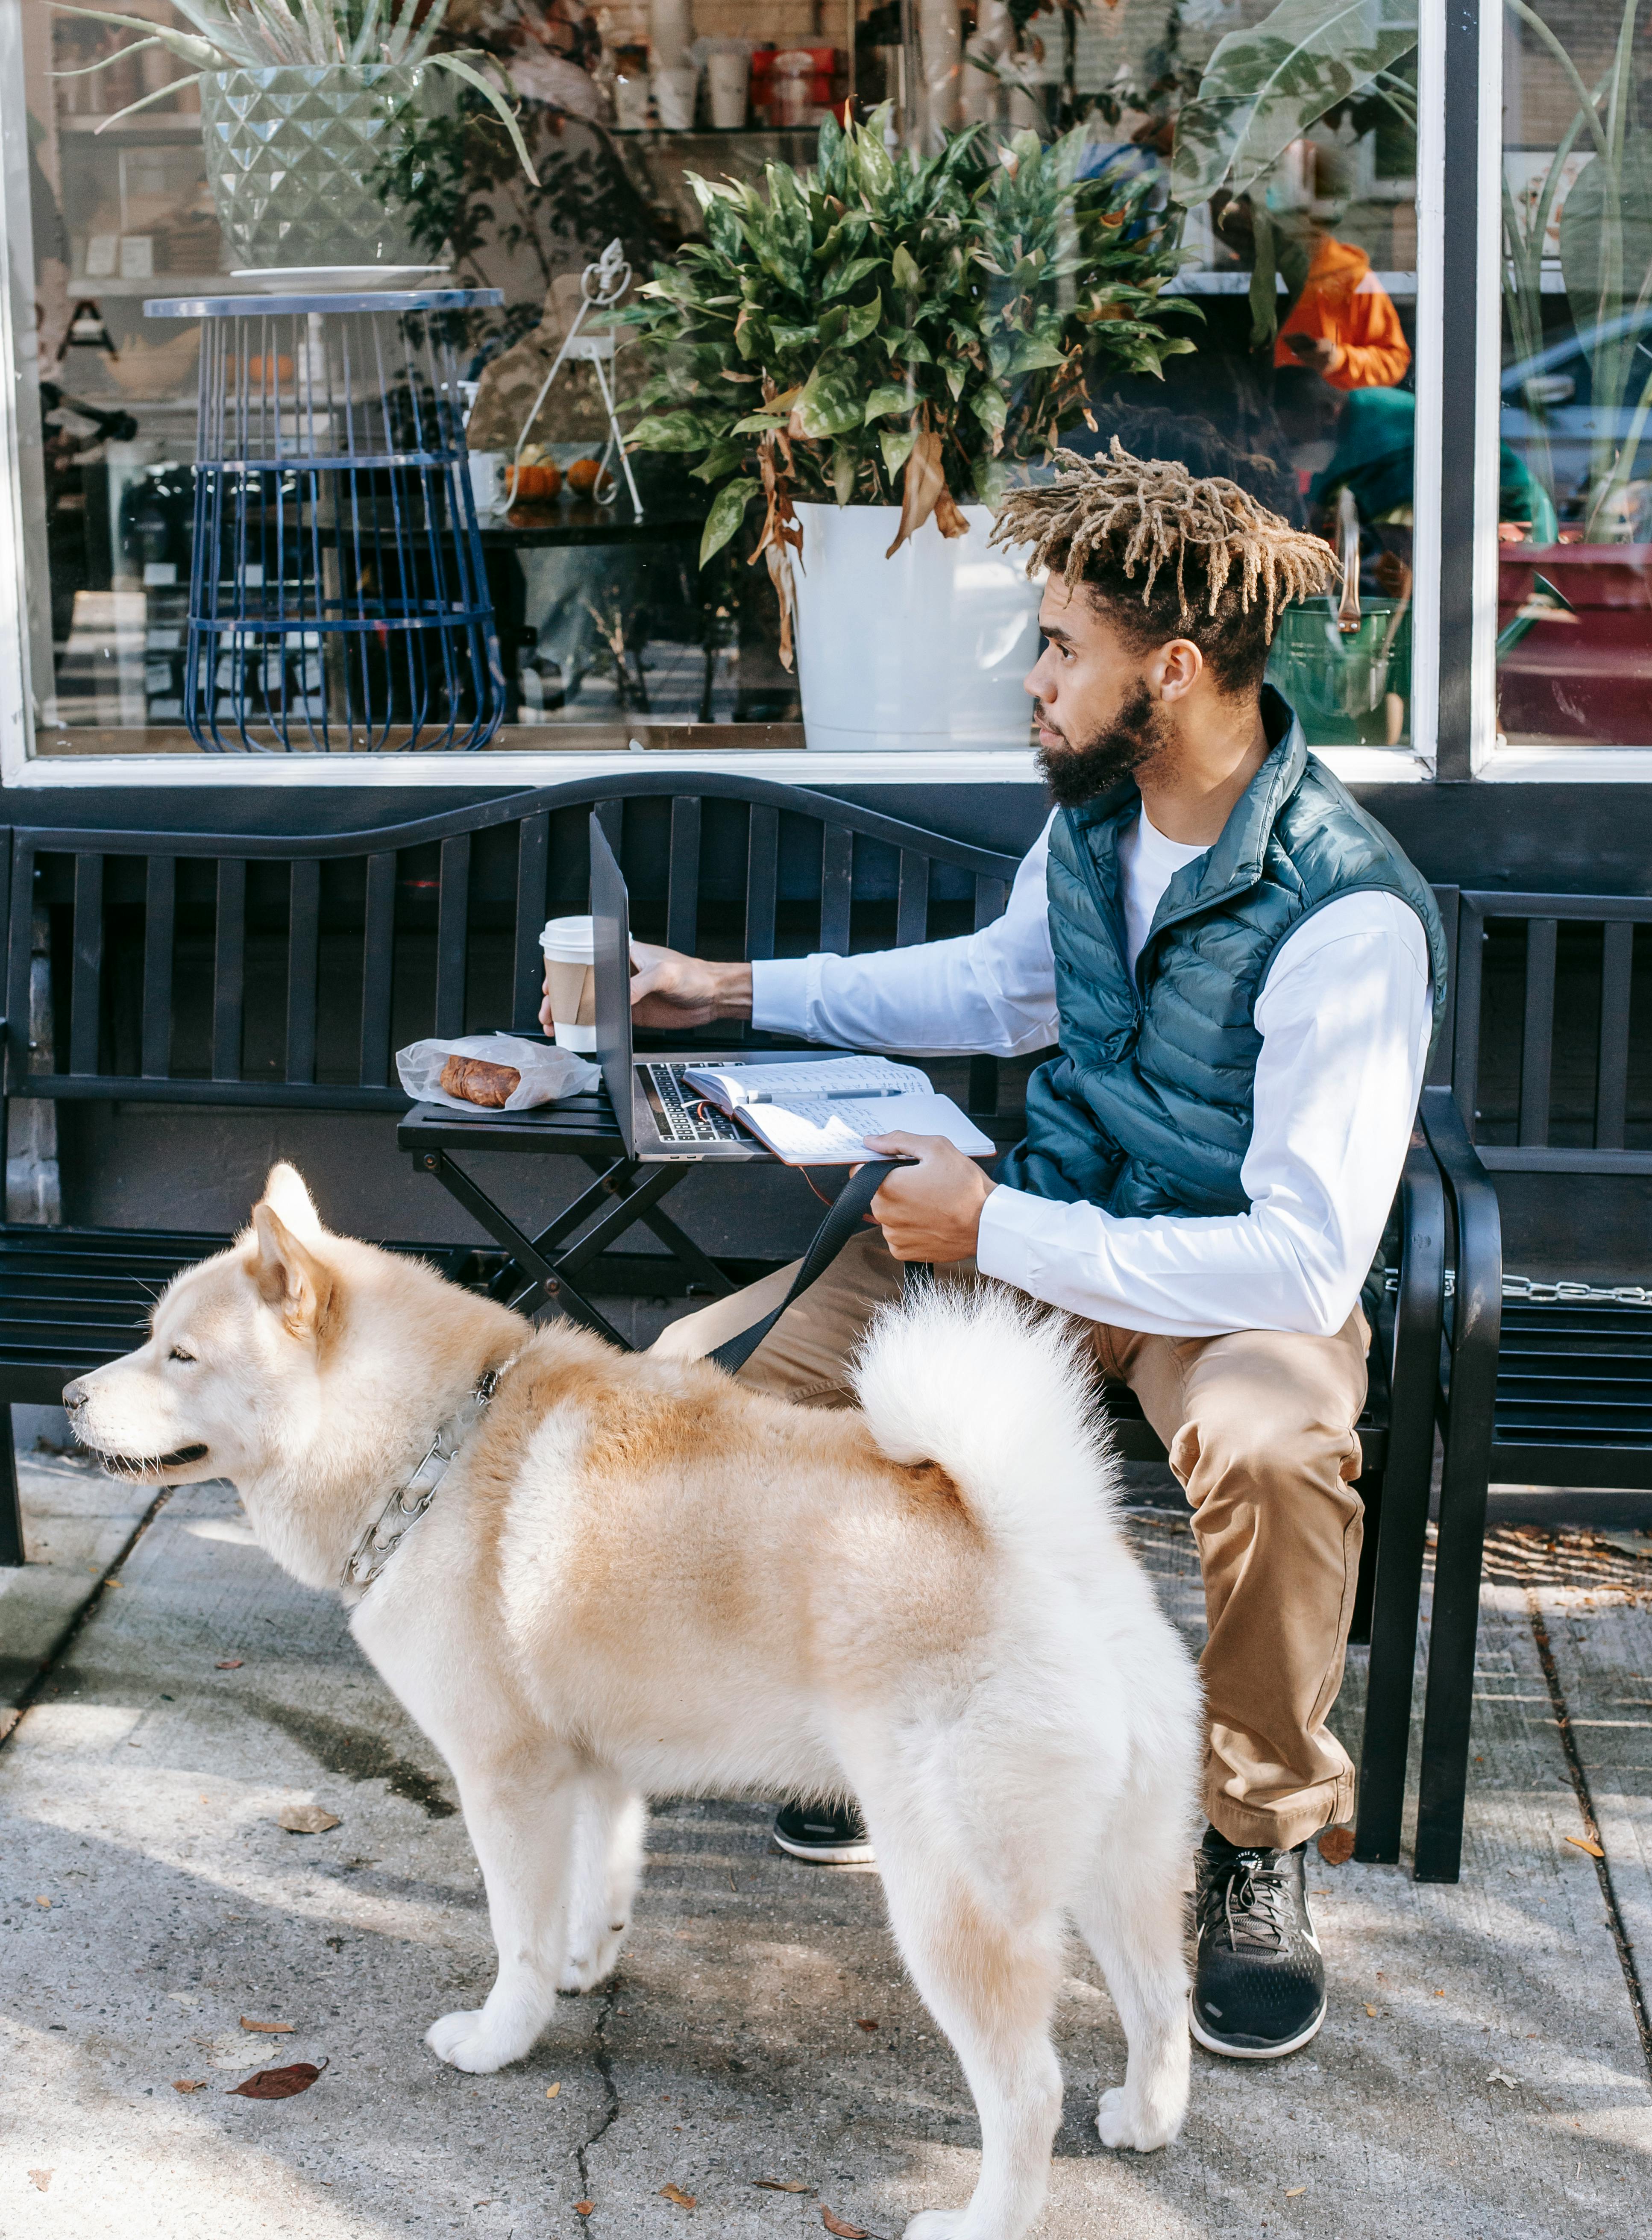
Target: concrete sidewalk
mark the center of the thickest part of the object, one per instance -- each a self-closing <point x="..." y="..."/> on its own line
<point x="1483" y="2071"/>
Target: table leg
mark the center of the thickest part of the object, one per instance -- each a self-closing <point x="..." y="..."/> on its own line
<point x="549" y="1278"/>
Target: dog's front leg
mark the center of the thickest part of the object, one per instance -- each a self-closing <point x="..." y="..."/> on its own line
<point x="602" y="1885"/>
<point x="520" y="1818"/>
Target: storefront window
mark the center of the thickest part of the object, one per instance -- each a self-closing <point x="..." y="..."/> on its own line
<point x="1574" y="496"/>
<point x="1277" y="144"/>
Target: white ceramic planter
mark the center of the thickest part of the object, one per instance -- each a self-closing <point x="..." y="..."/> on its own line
<point x="927" y="649"/>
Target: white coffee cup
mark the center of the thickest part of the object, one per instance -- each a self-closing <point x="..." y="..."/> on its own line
<point x="571" y="981"/>
<point x="673" y="92"/>
<point x="728" y="77"/>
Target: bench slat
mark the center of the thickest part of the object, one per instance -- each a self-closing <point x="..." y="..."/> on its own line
<point x="1611" y="1095"/>
<point x="378" y="959"/>
<point x="912" y="899"/>
<point x="229" y="969"/>
<point x="453" y="912"/>
<point x="1537" y="1041"/>
<point x="763" y="880"/>
<point x="836" y="887"/>
<point x="533" y="867"/>
<point x="86" y="996"/>
<point x="160" y="912"/>
<point x="682" y="876"/>
<point x="303" y="960"/>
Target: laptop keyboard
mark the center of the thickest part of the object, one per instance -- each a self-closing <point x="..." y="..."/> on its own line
<point x="684" y="1118"/>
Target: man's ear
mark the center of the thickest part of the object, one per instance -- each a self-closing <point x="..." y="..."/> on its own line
<point x="289" y="1276"/>
<point x="285" y="1191"/>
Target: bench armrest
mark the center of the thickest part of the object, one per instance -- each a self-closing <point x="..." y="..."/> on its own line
<point x="1477" y="1320"/>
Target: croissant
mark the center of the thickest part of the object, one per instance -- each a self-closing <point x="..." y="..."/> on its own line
<point x="478" y="1081"/>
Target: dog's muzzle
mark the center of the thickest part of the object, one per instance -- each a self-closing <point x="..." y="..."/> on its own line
<point x="74" y="1398"/>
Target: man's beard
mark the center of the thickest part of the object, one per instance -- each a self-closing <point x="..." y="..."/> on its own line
<point x="1075" y="774"/>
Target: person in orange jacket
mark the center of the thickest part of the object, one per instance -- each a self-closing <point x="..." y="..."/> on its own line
<point x="1343" y="326"/>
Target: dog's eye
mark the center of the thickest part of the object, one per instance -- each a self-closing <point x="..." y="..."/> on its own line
<point x="178" y="1354"/>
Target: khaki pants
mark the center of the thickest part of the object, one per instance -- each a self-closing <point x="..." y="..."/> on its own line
<point x="1259" y="1426"/>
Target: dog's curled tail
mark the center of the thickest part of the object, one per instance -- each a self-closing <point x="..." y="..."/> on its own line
<point x="1001" y="1397"/>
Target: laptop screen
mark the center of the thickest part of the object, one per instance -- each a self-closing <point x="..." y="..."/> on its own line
<point x="611" y="942"/>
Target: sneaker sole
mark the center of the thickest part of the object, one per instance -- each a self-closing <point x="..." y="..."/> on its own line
<point x="824" y="1855"/>
<point x="1255" y="2052"/>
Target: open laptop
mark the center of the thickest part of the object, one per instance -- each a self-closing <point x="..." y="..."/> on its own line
<point x="658" y="1119"/>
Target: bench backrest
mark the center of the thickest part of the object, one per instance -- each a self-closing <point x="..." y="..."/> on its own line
<point x="1545" y="1062"/>
<point x="263" y="970"/>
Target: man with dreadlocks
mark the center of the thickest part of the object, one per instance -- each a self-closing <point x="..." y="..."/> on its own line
<point x="1243" y="974"/>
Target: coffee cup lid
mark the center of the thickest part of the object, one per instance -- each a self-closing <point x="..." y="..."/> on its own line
<point x="571" y="939"/>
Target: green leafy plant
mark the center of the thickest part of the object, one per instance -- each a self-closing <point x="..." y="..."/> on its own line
<point x="895" y="329"/>
<point x="258" y="34"/>
<point x="1606" y="262"/>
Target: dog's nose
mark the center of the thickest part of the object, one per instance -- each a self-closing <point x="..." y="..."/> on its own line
<point x="74" y="1395"/>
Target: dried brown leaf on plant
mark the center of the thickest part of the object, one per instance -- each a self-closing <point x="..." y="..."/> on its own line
<point x="841" y="2228"/>
<point x="674" y="2193"/>
<point x="270" y="2029"/>
<point x="278" y="2083"/>
<point x="306" y="1819"/>
<point x="923" y="488"/>
<point x="1584" y="1845"/>
<point x="782" y="535"/>
<point x="1336" y="1846"/>
<point x="783" y="2184"/>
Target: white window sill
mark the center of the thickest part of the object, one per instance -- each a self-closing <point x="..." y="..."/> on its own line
<point x="511" y="767"/>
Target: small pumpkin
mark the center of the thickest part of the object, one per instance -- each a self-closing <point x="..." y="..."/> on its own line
<point x="543" y="480"/>
<point x="583" y="476"/>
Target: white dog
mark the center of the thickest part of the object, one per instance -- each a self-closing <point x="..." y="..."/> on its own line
<point x="636" y="1577"/>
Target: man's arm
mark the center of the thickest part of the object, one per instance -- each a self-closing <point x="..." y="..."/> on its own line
<point x="1344" y="1019"/>
<point x="990" y="992"/>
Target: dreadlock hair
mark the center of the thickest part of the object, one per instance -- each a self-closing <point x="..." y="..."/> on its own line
<point x="1215" y="566"/>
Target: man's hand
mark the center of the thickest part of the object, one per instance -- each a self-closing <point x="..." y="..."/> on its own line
<point x="931" y="1211"/>
<point x="669" y="990"/>
<point x="1316" y="352"/>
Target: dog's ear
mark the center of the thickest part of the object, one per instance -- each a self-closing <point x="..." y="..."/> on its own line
<point x="289" y="1276"/>
<point x="285" y="1191"/>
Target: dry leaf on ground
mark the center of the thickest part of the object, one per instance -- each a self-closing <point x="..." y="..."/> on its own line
<point x="1497" y="2077"/>
<point x="230" y="1664"/>
<point x="844" y="2231"/>
<point x="1583" y="1844"/>
<point x="1371" y="2011"/>
<point x="551" y="2091"/>
<point x="40" y="2180"/>
<point x="188" y="2084"/>
<point x="46" y="1902"/>
<point x="583" y="2207"/>
<point x="1291" y="2191"/>
<point x="279" y="2083"/>
<point x="271" y="2030"/>
<point x="676" y="2193"/>
<point x="306" y="1819"/>
<point x="783" y="2184"/>
<point x="867" y="2025"/>
<point x="1336" y="1846"/>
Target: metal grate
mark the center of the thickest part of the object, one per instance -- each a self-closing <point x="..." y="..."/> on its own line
<point x="338" y="600"/>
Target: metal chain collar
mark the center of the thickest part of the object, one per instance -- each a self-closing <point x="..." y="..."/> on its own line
<point x="408" y="1502"/>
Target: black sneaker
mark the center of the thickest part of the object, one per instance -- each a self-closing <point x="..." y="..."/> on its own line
<point x="830" y="1836"/>
<point x="1259" y="1985"/>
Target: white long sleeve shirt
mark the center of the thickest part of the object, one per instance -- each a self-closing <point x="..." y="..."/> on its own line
<point x="1344" y="1019"/>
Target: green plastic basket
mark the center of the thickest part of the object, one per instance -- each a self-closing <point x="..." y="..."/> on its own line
<point x="1342" y="684"/>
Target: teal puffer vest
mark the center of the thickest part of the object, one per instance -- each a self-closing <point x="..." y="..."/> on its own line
<point x="1148" y="1108"/>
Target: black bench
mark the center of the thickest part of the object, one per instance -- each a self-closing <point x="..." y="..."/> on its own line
<point x="266" y="971"/>
<point x="1546" y="1385"/>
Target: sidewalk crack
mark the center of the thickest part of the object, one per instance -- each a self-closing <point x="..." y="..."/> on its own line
<point x="11" y="1715"/>
<point x="604" y="2061"/>
<point x="1626" y="1959"/>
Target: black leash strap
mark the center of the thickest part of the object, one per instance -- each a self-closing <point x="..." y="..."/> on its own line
<point x="843" y="1217"/>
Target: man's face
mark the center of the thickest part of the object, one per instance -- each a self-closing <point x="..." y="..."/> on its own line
<point x="1101" y="717"/>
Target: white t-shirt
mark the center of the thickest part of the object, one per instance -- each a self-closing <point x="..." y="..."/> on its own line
<point x="1344" y="1016"/>
<point x="1148" y="862"/>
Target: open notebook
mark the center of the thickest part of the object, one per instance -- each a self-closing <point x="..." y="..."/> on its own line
<point x="820" y="1111"/>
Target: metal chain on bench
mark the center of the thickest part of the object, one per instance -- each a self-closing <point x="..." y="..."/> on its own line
<point x="1542" y="1294"/>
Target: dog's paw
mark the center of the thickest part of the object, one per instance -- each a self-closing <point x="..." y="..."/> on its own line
<point x="1123" y="2126"/>
<point x="592" y="1957"/>
<point x="935" y="2225"/>
<point x="470" y="2041"/>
